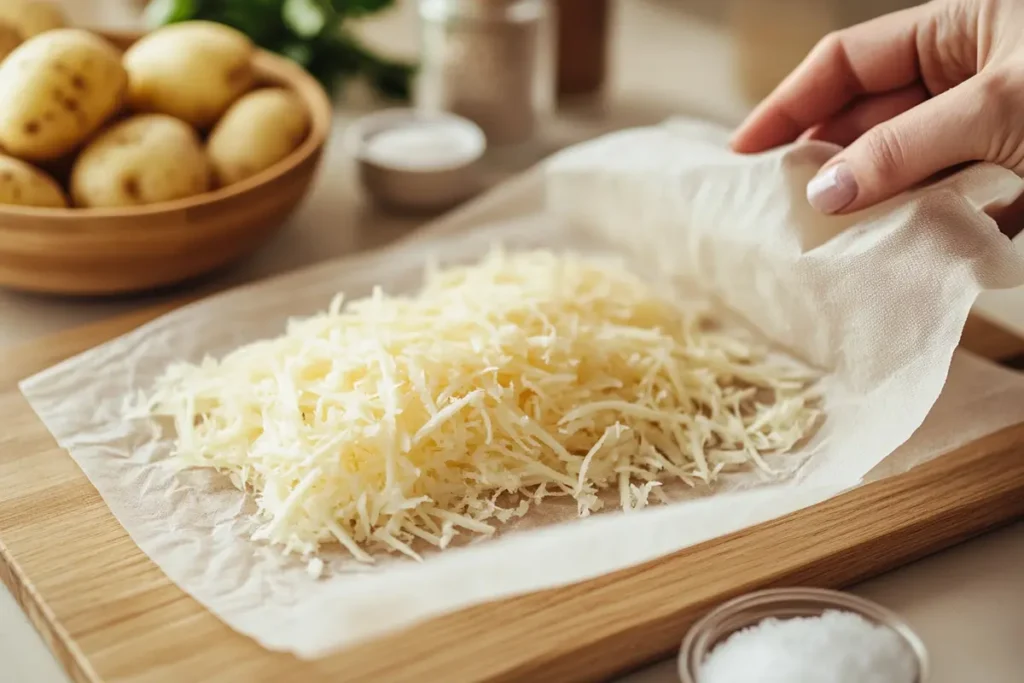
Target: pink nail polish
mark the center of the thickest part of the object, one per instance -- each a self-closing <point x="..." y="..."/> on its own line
<point x="832" y="189"/>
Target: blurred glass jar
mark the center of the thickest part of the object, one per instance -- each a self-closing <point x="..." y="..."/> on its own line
<point x="773" y="36"/>
<point x="491" y="61"/>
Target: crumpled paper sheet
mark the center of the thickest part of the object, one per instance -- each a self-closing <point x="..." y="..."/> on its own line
<point x="877" y="301"/>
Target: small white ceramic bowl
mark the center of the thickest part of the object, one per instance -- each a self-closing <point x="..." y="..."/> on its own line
<point x="415" y="161"/>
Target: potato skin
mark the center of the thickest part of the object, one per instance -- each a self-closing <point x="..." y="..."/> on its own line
<point x="25" y="185"/>
<point x="31" y="17"/>
<point x="259" y="130"/>
<point x="192" y="71"/>
<point x="142" y="160"/>
<point x="57" y="89"/>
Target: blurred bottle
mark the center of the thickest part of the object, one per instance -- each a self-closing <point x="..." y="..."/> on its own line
<point x="489" y="61"/>
<point x="583" y="46"/>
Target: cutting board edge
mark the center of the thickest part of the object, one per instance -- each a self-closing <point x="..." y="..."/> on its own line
<point x="556" y="668"/>
<point x="79" y="666"/>
<point x="58" y="641"/>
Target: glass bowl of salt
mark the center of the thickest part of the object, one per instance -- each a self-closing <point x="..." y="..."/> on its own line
<point x="415" y="161"/>
<point x="802" y="635"/>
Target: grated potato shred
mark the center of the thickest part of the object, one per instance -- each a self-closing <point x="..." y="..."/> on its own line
<point x="391" y="422"/>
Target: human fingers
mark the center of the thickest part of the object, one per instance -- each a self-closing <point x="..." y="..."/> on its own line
<point x="973" y="121"/>
<point x="877" y="56"/>
<point x="1010" y="219"/>
<point x="865" y="114"/>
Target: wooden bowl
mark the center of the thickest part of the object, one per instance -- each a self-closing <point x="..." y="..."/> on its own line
<point x="106" y="251"/>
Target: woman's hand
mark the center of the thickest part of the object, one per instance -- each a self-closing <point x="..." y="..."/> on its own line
<point x="909" y="94"/>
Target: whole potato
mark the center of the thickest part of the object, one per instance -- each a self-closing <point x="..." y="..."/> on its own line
<point x="258" y="130"/>
<point x="31" y="17"/>
<point x="26" y="185"/>
<point x="142" y="160"/>
<point x="193" y="71"/>
<point x="56" y="90"/>
<point x="10" y="38"/>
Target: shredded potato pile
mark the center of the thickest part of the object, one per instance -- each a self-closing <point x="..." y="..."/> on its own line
<point x="394" y="420"/>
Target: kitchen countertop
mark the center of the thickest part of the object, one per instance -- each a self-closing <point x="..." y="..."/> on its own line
<point x="668" y="58"/>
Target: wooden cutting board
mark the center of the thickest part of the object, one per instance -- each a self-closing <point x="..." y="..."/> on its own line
<point x="110" y="615"/>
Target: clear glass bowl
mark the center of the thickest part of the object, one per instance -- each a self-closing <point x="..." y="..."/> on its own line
<point x="782" y="603"/>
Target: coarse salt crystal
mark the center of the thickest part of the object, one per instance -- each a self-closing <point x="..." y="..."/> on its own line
<point x="424" y="145"/>
<point x="836" y="647"/>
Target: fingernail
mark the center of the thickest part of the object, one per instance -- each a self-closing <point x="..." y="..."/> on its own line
<point x="832" y="189"/>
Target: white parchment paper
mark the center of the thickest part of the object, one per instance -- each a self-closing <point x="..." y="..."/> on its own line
<point x="877" y="301"/>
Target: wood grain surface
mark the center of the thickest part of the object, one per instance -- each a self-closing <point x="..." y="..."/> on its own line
<point x="110" y="615"/>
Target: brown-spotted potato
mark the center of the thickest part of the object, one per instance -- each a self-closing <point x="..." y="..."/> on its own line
<point x="26" y="185"/>
<point x="56" y="89"/>
<point x="31" y="17"/>
<point x="259" y="130"/>
<point x="192" y="71"/>
<point x="142" y="160"/>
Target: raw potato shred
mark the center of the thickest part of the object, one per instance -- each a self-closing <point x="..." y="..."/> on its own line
<point x="395" y="423"/>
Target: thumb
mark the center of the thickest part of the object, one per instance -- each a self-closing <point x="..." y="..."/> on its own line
<point x="962" y="124"/>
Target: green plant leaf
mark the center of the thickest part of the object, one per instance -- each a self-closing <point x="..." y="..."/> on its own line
<point x="360" y="8"/>
<point x="336" y="50"/>
<point x="309" y="32"/>
<point x="260" y="20"/>
<point x="300" y="52"/>
<point x="306" y="18"/>
<point x="160" y="12"/>
<point x="394" y="81"/>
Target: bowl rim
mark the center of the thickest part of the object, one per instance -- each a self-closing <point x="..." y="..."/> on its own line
<point x="688" y="659"/>
<point x="296" y="78"/>
<point x="362" y="129"/>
